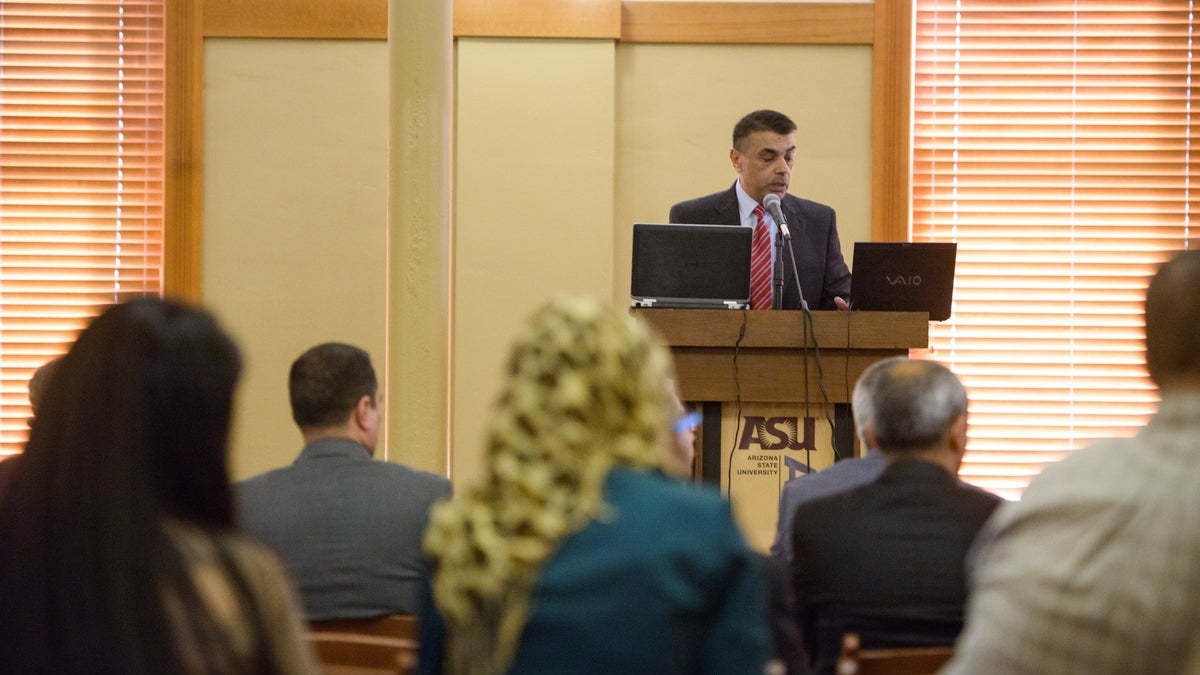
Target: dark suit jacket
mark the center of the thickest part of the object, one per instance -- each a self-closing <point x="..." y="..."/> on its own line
<point x="823" y="271"/>
<point x="886" y="560"/>
<point x="347" y="527"/>
<point x="845" y="475"/>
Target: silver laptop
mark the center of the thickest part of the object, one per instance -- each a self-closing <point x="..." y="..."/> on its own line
<point x="690" y="266"/>
<point x="904" y="277"/>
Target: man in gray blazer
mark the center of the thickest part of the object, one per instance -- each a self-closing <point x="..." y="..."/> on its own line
<point x="764" y="146"/>
<point x="347" y="527"/>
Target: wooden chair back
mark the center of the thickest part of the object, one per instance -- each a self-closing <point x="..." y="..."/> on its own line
<point x="854" y="660"/>
<point x="384" y="645"/>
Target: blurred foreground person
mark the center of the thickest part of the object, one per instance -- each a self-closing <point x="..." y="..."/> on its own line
<point x="38" y="383"/>
<point x="681" y="441"/>
<point x="1097" y="569"/>
<point x="118" y="553"/>
<point x="577" y="553"/>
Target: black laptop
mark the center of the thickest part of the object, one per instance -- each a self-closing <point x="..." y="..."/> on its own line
<point x="904" y="276"/>
<point x="690" y="266"/>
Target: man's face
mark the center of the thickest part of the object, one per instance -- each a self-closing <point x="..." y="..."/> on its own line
<point x="764" y="163"/>
<point x="681" y="444"/>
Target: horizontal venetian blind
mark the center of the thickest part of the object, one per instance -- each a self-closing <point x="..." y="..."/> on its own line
<point x="81" y="176"/>
<point x="1052" y="141"/>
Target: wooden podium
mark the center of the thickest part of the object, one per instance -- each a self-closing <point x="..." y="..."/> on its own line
<point x="777" y="359"/>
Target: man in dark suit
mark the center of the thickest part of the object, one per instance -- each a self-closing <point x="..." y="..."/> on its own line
<point x="348" y="528"/>
<point x="887" y="560"/>
<point x="764" y="146"/>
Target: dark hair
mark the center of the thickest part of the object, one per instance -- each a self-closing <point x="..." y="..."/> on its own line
<point x="1172" y="312"/>
<point x="327" y="381"/>
<point x="132" y="433"/>
<point x="761" y="120"/>
<point x="40" y="381"/>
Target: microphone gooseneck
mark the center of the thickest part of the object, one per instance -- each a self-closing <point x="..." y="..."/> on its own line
<point x="771" y="204"/>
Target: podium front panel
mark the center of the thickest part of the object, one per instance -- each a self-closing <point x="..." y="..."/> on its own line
<point x="763" y="446"/>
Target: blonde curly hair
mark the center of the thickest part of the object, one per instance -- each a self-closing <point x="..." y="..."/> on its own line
<point x="585" y="392"/>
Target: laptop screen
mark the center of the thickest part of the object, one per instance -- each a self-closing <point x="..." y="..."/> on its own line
<point x="690" y="265"/>
<point x="905" y="277"/>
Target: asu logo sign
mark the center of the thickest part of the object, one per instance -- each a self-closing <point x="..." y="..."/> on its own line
<point x="777" y="433"/>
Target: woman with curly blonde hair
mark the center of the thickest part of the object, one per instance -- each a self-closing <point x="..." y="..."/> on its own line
<point x="576" y="554"/>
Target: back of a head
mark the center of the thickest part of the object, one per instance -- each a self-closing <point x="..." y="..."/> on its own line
<point x="39" y="382"/>
<point x="762" y="120"/>
<point x="912" y="402"/>
<point x="327" y="381"/>
<point x="143" y="400"/>
<point x="862" y="402"/>
<point x="132" y="431"/>
<point x="1172" y="314"/>
<point x="585" y="390"/>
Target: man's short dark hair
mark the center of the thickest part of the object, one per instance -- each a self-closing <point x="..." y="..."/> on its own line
<point x="762" y="120"/>
<point x="327" y="381"/>
<point x="1172" y="310"/>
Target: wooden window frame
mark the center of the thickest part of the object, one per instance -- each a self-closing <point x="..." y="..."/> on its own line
<point x="183" y="177"/>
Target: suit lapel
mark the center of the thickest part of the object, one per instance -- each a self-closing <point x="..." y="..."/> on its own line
<point x="726" y="209"/>
<point x="791" y="211"/>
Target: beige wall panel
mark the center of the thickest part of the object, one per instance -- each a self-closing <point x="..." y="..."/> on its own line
<point x="534" y="171"/>
<point x="295" y="211"/>
<point x="676" y="107"/>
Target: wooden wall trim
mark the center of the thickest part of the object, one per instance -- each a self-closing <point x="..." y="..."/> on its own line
<point x="747" y="22"/>
<point x="890" y="120"/>
<point x="183" y="178"/>
<point x="626" y="20"/>
<point x="346" y="19"/>
<point x="538" y="18"/>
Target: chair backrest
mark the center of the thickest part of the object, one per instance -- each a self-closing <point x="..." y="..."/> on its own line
<point x="375" y="646"/>
<point x="854" y="660"/>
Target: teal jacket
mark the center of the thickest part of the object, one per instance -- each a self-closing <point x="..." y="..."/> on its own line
<point x="663" y="584"/>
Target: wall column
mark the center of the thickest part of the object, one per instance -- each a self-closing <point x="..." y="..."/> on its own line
<point x="417" y="366"/>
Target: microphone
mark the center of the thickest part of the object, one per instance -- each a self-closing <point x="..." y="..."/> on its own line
<point x="771" y="202"/>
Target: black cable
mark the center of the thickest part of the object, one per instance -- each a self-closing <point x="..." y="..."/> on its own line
<point x="804" y="342"/>
<point x="807" y="324"/>
<point x="846" y="374"/>
<point x="737" y="391"/>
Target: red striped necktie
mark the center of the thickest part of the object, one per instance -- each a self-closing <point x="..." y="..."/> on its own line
<point x="760" y="264"/>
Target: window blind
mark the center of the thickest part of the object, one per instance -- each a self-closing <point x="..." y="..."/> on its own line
<point x="81" y="176"/>
<point x="1052" y="141"/>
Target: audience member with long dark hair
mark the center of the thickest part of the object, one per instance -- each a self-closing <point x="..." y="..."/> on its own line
<point x="577" y="553"/>
<point x="38" y="383"/>
<point x="118" y="553"/>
